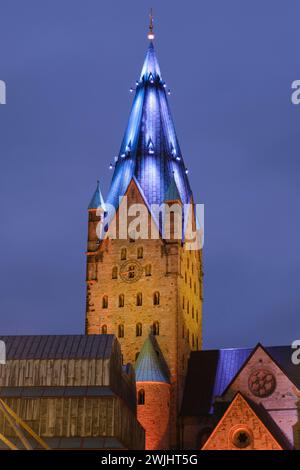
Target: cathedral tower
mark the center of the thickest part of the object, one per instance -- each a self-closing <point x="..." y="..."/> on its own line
<point x="147" y="284"/>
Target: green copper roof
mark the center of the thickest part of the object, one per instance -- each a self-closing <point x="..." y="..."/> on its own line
<point x="149" y="366"/>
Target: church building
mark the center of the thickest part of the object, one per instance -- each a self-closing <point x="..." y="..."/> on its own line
<point x="138" y="377"/>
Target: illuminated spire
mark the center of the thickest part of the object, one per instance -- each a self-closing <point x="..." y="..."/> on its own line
<point x="97" y="199"/>
<point x="150" y="151"/>
<point x="151" y="32"/>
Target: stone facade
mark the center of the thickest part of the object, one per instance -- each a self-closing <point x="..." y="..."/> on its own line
<point x="161" y="266"/>
<point x="154" y="410"/>
<point x="241" y="429"/>
<point x="281" y="404"/>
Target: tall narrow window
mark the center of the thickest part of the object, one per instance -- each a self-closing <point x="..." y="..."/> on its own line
<point x="195" y="288"/>
<point x="140" y="252"/>
<point x="105" y="301"/>
<point x="188" y="263"/>
<point x="193" y="340"/>
<point x="123" y="253"/>
<point x="197" y="318"/>
<point x="155" y="328"/>
<point x="141" y="397"/>
<point x="156" y="298"/>
<point x="114" y="274"/>
<point x="148" y="270"/>
<point x="139" y="299"/>
<point x="121" y="300"/>
<point x="188" y="306"/>
<point x="183" y="302"/>
<point x="121" y="331"/>
<point x="185" y="277"/>
<point x="104" y="330"/>
<point x="193" y="313"/>
<point x="188" y="336"/>
<point x="138" y="329"/>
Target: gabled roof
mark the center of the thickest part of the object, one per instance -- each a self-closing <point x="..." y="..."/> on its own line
<point x="269" y="425"/>
<point x="210" y="372"/>
<point x="150" y="150"/>
<point x="149" y="365"/>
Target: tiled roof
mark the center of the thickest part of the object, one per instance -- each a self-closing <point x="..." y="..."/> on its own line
<point x="149" y="366"/>
<point x="58" y="346"/>
<point x="210" y="372"/>
<point x="150" y="150"/>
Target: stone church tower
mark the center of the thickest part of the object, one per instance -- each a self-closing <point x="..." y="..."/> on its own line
<point x="140" y="286"/>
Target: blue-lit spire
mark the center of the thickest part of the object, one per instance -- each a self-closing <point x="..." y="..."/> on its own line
<point x="97" y="199"/>
<point x="150" y="150"/>
<point x="149" y="366"/>
<point x="172" y="193"/>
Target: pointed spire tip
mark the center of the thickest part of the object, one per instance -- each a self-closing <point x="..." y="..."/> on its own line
<point x="151" y="35"/>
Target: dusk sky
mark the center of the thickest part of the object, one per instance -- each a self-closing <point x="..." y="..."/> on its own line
<point x="68" y="66"/>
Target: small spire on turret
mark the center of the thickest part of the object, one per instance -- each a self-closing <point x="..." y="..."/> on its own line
<point x="151" y="32"/>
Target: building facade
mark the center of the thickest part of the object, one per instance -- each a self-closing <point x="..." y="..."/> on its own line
<point x="138" y="286"/>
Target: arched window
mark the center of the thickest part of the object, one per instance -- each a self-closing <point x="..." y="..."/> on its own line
<point x="140" y="252"/>
<point x="156" y="298"/>
<point x="141" y="397"/>
<point x="183" y="302"/>
<point x="148" y="270"/>
<point x="104" y="330"/>
<point x="138" y="329"/>
<point x="139" y="299"/>
<point x="121" y="300"/>
<point x="121" y="331"/>
<point x="114" y="274"/>
<point x="155" y="328"/>
<point x="123" y="253"/>
<point x="193" y="313"/>
<point x="105" y="301"/>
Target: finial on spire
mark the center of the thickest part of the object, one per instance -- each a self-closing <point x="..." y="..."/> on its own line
<point x="150" y="32"/>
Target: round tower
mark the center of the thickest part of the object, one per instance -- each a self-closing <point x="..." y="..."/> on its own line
<point x="153" y="396"/>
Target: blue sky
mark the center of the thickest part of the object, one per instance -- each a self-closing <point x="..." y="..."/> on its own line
<point x="68" y="67"/>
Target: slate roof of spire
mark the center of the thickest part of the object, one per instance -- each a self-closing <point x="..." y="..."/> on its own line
<point x="149" y="366"/>
<point x="150" y="150"/>
<point x="97" y="199"/>
<point x="172" y="193"/>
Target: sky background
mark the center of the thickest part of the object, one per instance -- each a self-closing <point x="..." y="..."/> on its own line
<point x="68" y="66"/>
